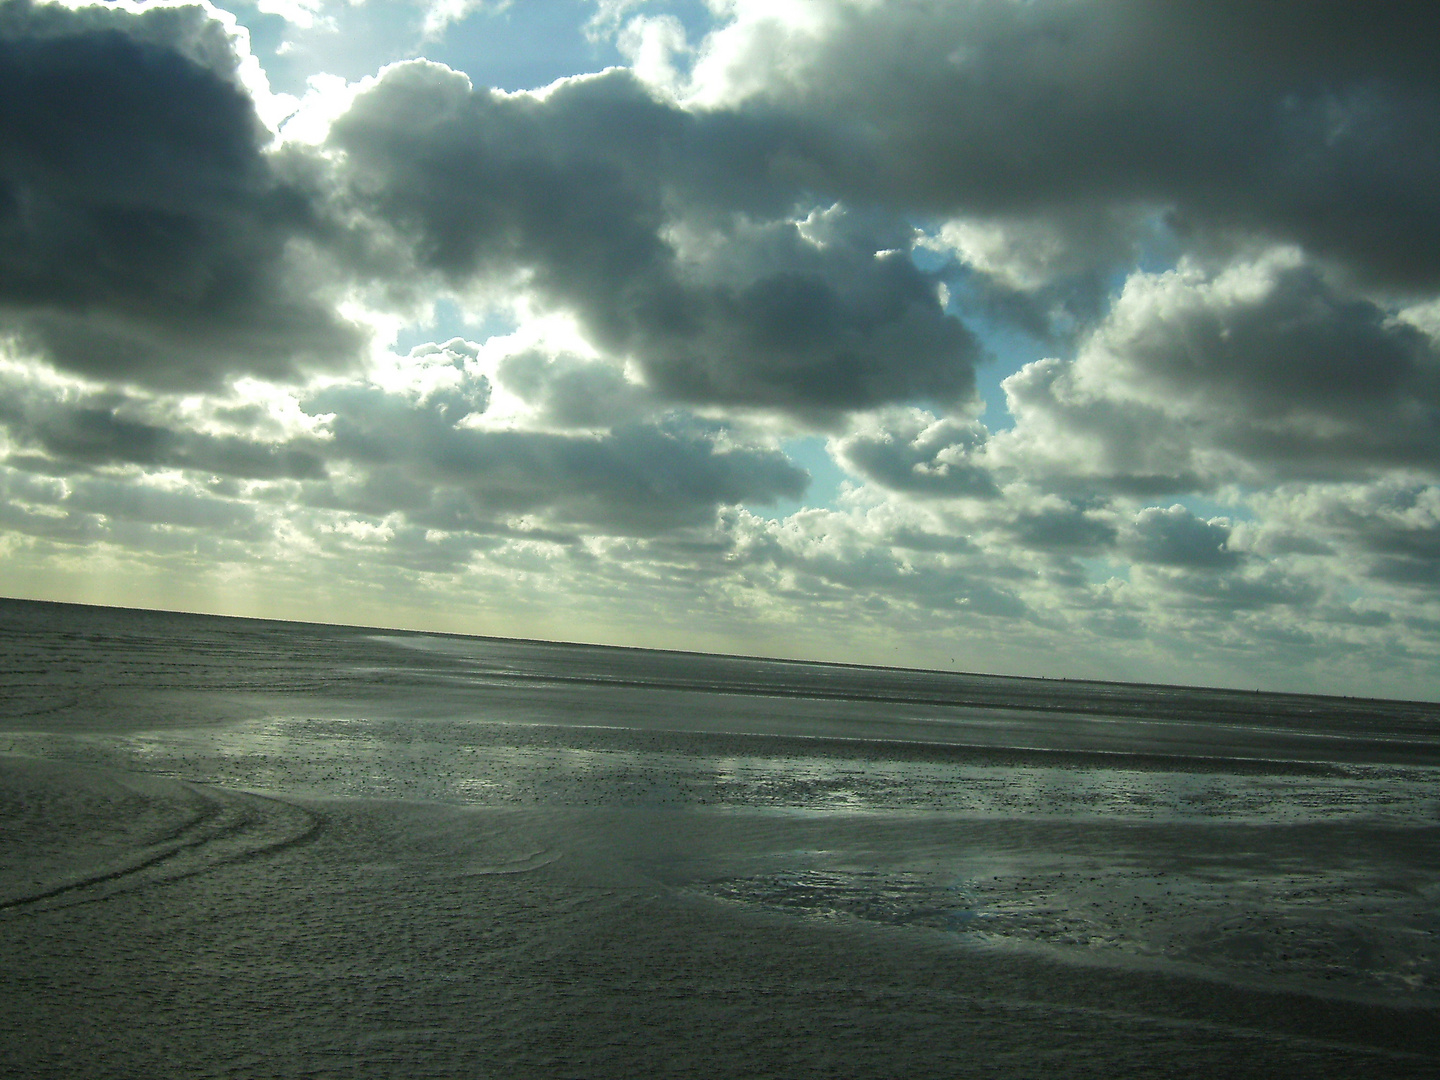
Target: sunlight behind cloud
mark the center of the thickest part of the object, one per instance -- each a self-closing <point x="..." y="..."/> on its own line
<point x="994" y="330"/>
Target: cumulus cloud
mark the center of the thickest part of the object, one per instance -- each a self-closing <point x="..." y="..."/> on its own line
<point x="1053" y="524"/>
<point x="667" y="233"/>
<point x="1195" y="241"/>
<point x="1387" y="529"/>
<point x="633" y="479"/>
<point x="61" y="429"/>
<point x="1259" y="370"/>
<point x="1269" y="344"/>
<point x="440" y="14"/>
<point x="830" y="559"/>
<point x="1283" y="119"/>
<point x="1176" y="537"/>
<point x="145" y="235"/>
<point x="1077" y="440"/>
<point x="569" y="391"/>
<point x="918" y="453"/>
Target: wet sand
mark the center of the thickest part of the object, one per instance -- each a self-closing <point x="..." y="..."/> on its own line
<point x="295" y="881"/>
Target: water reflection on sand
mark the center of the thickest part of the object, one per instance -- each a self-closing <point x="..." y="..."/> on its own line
<point x="303" y="851"/>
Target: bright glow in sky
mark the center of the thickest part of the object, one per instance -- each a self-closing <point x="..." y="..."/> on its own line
<point x="1076" y="339"/>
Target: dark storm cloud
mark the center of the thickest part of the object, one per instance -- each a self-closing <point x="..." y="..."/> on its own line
<point x="636" y="479"/>
<point x="147" y="234"/>
<point x="583" y="191"/>
<point x="143" y="231"/>
<point x="1313" y="122"/>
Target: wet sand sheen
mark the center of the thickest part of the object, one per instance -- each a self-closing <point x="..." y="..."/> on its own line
<point x="391" y="913"/>
<point x="303" y="884"/>
<point x="558" y="940"/>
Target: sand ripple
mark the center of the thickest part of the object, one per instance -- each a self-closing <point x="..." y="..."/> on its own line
<point x="75" y="835"/>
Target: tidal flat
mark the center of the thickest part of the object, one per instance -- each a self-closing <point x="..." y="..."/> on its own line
<point x="240" y="848"/>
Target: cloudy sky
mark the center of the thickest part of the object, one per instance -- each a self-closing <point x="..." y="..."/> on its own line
<point x="1042" y="337"/>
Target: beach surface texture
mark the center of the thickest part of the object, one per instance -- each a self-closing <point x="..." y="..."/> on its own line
<point x="236" y="848"/>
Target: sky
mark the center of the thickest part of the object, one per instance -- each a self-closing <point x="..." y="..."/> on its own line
<point x="1038" y="337"/>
